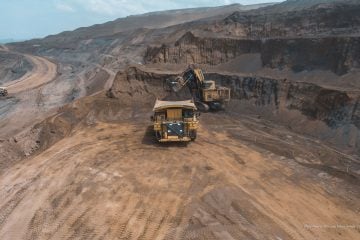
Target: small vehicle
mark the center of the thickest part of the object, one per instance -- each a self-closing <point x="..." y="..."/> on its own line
<point x="3" y="92"/>
<point x="175" y="121"/>
<point x="206" y="93"/>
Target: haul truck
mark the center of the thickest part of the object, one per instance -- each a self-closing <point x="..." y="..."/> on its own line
<point x="175" y="121"/>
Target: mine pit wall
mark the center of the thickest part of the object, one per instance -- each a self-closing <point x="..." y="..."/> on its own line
<point x="337" y="54"/>
<point x="330" y="115"/>
<point x="13" y="66"/>
<point x="140" y="88"/>
<point x="316" y="21"/>
<point x="190" y="49"/>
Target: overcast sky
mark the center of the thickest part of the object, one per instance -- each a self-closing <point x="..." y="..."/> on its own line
<point x="25" y="19"/>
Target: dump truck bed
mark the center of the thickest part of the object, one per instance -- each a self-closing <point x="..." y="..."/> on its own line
<point x="160" y="105"/>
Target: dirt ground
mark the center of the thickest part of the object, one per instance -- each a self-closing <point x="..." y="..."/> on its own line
<point x="80" y="165"/>
<point x="243" y="179"/>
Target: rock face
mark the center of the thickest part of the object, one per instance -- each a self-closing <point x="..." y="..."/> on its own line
<point x="136" y="86"/>
<point x="191" y="49"/>
<point x="320" y="20"/>
<point x="12" y="66"/>
<point x="337" y="54"/>
<point x="335" y="108"/>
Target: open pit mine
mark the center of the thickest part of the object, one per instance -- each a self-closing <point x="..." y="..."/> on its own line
<point x="80" y="157"/>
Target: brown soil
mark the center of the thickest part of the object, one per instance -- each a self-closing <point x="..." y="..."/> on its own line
<point x="242" y="179"/>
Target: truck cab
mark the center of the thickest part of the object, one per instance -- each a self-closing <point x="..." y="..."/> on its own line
<point x="175" y="121"/>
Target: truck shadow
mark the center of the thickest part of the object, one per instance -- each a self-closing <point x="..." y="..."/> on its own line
<point x="149" y="139"/>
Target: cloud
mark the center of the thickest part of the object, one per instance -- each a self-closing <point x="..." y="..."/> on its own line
<point x="123" y="8"/>
<point x="129" y="7"/>
<point x="115" y="7"/>
<point x="64" y="7"/>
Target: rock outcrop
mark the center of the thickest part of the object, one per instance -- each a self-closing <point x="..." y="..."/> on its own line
<point x="320" y="20"/>
<point x="337" y="54"/>
<point x="192" y="49"/>
<point x="12" y="66"/>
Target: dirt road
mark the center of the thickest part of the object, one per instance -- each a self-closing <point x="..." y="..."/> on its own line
<point x="239" y="180"/>
<point x="110" y="80"/>
<point x="21" y="109"/>
<point x="43" y="72"/>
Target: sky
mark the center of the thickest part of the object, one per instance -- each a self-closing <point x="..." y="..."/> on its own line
<point x="26" y="19"/>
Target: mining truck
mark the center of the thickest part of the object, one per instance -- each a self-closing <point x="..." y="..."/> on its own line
<point x="175" y="121"/>
<point x="206" y="94"/>
<point x="3" y="92"/>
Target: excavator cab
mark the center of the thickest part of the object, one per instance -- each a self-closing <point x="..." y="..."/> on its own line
<point x="175" y="121"/>
<point x="209" y="85"/>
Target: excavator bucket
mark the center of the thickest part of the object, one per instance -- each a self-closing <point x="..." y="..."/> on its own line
<point x="176" y="84"/>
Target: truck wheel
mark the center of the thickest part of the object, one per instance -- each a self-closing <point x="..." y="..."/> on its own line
<point x="158" y="135"/>
<point x="216" y="106"/>
<point x="203" y="107"/>
<point x="193" y="135"/>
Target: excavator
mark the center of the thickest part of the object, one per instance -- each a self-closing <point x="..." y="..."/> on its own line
<point x="205" y="93"/>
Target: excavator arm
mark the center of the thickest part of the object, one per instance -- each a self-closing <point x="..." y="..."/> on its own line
<point x="193" y="78"/>
<point x="205" y="96"/>
<point x="199" y="75"/>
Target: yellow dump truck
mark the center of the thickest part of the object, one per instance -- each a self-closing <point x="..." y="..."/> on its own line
<point x="175" y="121"/>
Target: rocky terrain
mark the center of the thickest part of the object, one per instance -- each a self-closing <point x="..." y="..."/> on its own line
<point x="12" y="66"/>
<point x="77" y="155"/>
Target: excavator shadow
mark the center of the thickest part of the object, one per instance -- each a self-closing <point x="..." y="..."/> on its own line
<point x="149" y="139"/>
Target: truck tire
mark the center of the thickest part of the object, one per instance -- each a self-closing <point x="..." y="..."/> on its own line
<point x="158" y="135"/>
<point x="193" y="134"/>
<point x="202" y="107"/>
<point x="216" y="106"/>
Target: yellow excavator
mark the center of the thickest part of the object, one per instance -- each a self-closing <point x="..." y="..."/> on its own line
<point x="206" y="94"/>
